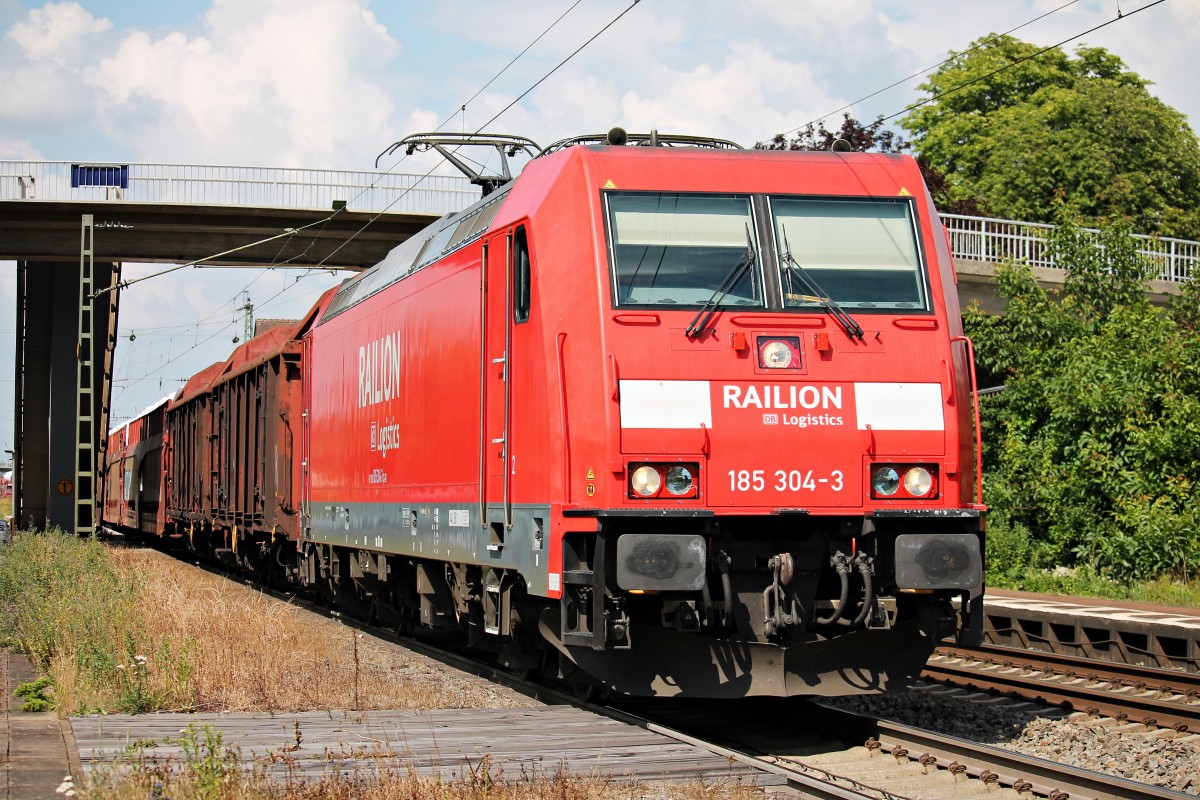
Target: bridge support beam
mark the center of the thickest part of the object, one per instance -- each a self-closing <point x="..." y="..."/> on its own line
<point x="46" y="450"/>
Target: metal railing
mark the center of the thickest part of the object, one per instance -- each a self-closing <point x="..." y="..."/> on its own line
<point x="261" y="187"/>
<point x="971" y="238"/>
<point x="997" y="240"/>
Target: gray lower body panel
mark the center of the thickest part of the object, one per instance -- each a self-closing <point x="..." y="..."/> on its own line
<point x="441" y="531"/>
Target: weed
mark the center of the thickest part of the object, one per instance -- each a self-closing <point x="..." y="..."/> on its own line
<point x="209" y="765"/>
<point x="33" y="694"/>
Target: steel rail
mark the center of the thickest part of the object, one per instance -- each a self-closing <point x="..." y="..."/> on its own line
<point x="1143" y="694"/>
<point x="1130" y="674"/>
<point x="993" y="766"/>
<point x="1011" y="767"/>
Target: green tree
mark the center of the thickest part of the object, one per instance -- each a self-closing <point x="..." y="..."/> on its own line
<point x="1093" y="449"/>
<point x="1048" y="137"/>
<point x="874" y="137"/>
<point x="860" y="137"/>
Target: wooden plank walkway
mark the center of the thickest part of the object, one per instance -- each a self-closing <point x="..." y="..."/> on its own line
<point x="543" y="740"/>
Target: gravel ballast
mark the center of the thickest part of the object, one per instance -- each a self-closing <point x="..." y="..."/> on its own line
<point x="1161" y="757"/>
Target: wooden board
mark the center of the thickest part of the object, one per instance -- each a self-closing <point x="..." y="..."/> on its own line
<point x="543" y="740"/>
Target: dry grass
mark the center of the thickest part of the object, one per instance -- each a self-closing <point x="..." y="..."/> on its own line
<point x="401" y="784"/>
<point x="123" y="629"/>
<point x="127" y="629"/>
<point x="213" y="769"/>
<point x="220" y="646"/>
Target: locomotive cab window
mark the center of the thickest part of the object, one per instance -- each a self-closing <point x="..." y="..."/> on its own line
<point x="860" y="253"/>
<point x="521" y="277"/>
<point x="671" y="249"/>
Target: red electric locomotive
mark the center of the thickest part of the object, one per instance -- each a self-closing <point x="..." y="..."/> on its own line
<point x="660" y="416"/>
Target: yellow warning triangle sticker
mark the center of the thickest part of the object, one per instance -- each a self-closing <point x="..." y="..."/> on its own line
<point x="904" y="192"/>
<point x="609" y="185"/>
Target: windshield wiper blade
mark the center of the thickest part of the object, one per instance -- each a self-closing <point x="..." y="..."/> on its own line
<point x="819" y="295"/>
<point x="713" y="304"/>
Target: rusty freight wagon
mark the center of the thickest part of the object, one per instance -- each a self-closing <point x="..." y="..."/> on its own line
<point x="134" y="481"/>
<point x="234" y="427"/>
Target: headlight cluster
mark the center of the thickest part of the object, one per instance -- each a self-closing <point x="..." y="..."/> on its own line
<point x="904" y="481"/>
<point x="674" y="481"/>
<point x="779" y="352"/>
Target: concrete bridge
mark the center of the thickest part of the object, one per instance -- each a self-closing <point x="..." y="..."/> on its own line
<point x="70" y="226"/>
<point x="979" y="244"/>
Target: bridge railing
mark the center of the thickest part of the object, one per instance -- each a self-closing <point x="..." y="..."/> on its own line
<point x="263" y="187"/>
<point x="971" y="238"/>
<point x="997" y="240"/>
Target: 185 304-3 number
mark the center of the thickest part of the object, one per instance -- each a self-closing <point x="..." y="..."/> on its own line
<point x="783" y="480"/>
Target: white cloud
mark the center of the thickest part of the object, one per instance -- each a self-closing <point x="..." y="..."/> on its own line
<point x="19" y="150"/>
<point x="280" y="83"/>
<point x="56" y="31"/>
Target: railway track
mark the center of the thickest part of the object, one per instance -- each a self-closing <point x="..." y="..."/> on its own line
<point x="1128" y="693"/>
<point x="877" y="758"/>
<point x="820" y="752"/>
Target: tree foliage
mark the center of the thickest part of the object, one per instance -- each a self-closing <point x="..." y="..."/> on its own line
<point x="1048" y="137"/>
<point x="860" y="137"/>
<point x="1093" y="450"/>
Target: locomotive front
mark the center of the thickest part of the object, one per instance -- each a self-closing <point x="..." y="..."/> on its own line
<point x="783" y="497"/>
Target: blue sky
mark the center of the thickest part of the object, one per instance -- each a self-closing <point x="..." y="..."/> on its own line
<point x="330" y="83"/>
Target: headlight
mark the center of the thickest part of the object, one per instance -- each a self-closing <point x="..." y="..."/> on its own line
<point x="645" y="481"/>
<point x="904" y="481"/>
<point x="776" y="355"/>
<point x="885" y="481"/>
<point x="779" y="352"/>
<point x="918" y="481"/>
<point x="679" y="480"/>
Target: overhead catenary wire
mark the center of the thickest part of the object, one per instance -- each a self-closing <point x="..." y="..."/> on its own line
<point x="198" y="261"/>
<point x="918" y="74"/>
<point x="1021" y="60"/>
<point x="462" y="108"/>
<point x="419" y="180"/>
<point x="323" y="222"/>
<point x="150" y="375"/>
<point x="495" y="117"/>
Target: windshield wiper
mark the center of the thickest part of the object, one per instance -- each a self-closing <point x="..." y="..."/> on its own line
<point x="819" y="295"/>
<point x="713" y="304"/>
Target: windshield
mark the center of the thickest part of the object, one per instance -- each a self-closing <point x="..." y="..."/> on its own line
<point x="673" y="249"/>
<point x="862" y="252"/>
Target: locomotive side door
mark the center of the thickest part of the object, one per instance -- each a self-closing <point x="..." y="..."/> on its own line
<point x="505" y="302"/>
<point x="495" y="507"/>
<point x="305" y="433"/>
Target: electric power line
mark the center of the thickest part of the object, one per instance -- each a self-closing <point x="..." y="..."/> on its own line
<point x="327" y="219"/>
<point x="918" y="74"/>
<point x="1120" y="16"/>
<point x="520" y="97"/>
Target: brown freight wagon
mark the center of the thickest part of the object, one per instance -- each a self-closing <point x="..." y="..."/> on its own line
<point x="234" y="491"/>
<point x="133" y="481"/>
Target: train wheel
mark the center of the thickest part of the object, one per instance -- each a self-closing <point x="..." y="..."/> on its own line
<point x="586" y="690"/>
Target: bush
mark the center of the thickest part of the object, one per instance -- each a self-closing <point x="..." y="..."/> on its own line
<point x="78" y="616"/>
<point x="1092" y="454"/>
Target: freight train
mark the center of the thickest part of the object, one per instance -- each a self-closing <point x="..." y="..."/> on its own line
<point x="659" y="416"/>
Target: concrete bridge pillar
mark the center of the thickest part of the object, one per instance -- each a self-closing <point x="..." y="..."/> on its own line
<point x="51" y="370"/>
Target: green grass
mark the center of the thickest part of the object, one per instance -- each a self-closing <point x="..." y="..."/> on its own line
<point x="65" y="603"/>
<point x="1083" y="582"/>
